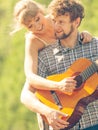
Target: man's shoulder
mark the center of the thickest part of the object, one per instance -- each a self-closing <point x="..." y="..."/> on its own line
<point x="95" y="39"/>
<point x="94" y="43"/>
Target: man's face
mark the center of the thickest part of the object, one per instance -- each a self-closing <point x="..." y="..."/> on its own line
<point x="63" y="26"/>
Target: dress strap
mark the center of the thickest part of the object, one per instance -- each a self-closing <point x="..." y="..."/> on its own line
<point x="45" y="43"/>
<point x="28" y="35"/>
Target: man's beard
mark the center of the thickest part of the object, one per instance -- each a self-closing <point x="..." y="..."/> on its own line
<point x="64" y="36"/>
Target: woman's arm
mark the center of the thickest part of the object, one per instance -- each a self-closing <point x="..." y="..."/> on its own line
<point x="33" y="45"/>
<point x="31" y="63"/>
<point x="29" y="99"/>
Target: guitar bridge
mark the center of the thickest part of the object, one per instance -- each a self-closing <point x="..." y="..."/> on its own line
<point x="56" y="99"/>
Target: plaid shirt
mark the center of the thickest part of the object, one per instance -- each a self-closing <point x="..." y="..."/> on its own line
<point x="57" y="59"/>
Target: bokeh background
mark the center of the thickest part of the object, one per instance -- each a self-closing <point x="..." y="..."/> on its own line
<point x="13" y="114"/>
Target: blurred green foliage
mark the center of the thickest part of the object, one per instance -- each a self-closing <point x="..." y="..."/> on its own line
<point x="13" y="115"/>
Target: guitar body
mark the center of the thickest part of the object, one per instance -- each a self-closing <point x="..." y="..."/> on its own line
<point x="75" y="103"/>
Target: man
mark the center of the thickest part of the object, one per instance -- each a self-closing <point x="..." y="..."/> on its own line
<point x="67" y="15"/>
<point x="57" y="58"/>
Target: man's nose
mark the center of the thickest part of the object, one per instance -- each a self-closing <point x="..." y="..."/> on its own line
<point x="57" y="27"/>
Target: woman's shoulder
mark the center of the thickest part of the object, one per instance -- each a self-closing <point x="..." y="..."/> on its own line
<point x="33" y="41"/>
<point x="29" y="36"/>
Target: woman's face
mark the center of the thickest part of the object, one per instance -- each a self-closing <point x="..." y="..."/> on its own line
<point x="36" y="24"/>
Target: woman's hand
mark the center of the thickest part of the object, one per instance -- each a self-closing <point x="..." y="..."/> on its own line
<point x="86" y="37"/>
<point x="54" y="119"/>
<point x="67" y="84"/>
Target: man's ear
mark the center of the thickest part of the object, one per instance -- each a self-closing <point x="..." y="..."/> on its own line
<point x="77" y="22"/>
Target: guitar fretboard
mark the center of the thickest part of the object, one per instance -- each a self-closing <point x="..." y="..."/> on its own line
<point x="89" y="71"/>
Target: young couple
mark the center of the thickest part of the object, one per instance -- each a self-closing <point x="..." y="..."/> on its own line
<point x="53" y="43"/>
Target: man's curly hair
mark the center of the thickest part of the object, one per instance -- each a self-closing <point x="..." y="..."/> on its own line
<point x="73" y="7"/>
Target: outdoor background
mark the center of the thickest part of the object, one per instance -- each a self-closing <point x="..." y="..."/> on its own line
<point x="13" y="114"/>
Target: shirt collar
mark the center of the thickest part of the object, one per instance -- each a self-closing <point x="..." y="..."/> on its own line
<point x="79" y="42"/>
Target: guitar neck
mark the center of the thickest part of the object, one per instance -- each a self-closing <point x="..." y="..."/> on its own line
<point x="84" y="75"/>
<point x="89" y="71"/>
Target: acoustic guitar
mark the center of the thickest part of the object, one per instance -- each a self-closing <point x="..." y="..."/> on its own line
<point x="73" y="104"/>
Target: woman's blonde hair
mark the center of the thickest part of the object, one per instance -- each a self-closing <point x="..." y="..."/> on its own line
<point x="24" y="10"/>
